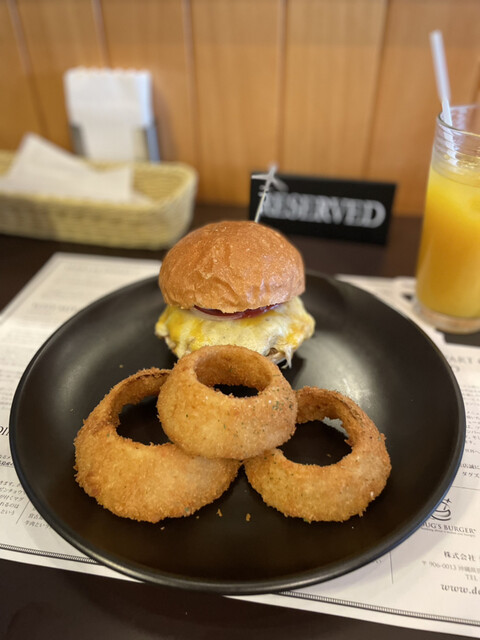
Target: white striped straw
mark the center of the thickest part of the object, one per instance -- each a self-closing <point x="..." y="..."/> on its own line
<point x="441" y="74"/>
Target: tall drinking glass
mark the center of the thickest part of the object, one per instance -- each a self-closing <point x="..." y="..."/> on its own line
<point x="448" y="269"/>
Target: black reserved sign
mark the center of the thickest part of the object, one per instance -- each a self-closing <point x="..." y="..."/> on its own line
<point x="341" y="209"/>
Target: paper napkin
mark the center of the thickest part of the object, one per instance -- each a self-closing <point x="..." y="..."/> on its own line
<point x="41" y="168"/>
<point x="112" y="109"/>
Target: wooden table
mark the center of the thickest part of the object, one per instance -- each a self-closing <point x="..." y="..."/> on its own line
<point x="40" y="603"/>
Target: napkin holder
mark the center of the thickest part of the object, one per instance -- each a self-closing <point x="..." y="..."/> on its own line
<point x="156" y="223"/>
<point x="110" y="113"/>
<point x="145" y="143"/>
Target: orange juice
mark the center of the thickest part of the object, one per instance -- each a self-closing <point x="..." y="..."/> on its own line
<point x="448" y="270"/>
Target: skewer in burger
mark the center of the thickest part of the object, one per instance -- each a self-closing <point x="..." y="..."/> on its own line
<point x="235" y="283"/>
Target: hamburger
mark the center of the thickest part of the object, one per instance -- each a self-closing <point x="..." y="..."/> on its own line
<point x="235" y="283"/>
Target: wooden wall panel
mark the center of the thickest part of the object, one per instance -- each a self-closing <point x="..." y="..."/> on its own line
<point x="59" y="34"/>
<point x="17" y="104"/>
<point x="407" y="100"/>
<point x="328" y="87"/>
<point x="333" y="52"/>
<point x="237" y="53"/>
<point x="153" y="35"/>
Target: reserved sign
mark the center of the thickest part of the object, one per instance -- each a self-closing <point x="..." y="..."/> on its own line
<point x="343" y="209"/>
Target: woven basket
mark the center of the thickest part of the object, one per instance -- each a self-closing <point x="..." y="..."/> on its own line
<point x="158" y="224"/>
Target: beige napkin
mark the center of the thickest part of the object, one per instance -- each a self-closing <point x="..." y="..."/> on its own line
<point x="41" y="168"/>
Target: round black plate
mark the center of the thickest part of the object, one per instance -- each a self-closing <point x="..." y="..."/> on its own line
<point x="361" y="348"/>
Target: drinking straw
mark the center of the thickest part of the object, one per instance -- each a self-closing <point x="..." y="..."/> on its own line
<point x="441" y="74"/>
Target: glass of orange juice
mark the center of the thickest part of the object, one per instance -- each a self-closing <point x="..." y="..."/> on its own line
<point x="448" y="269"/>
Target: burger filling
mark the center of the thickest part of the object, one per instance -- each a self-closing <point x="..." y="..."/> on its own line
<point x="248" y="313"/>
<point x="275" y="332"/>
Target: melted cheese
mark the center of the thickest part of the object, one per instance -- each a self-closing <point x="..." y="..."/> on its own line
<point x="276" y="333"/>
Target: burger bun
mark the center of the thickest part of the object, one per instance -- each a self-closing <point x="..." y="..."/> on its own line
<point x="232" y="266"/>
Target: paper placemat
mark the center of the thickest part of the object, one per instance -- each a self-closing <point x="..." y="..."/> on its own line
<point x="431" y="581"/>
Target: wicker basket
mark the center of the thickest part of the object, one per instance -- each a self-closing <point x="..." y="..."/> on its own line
<point x="171" y="187"/>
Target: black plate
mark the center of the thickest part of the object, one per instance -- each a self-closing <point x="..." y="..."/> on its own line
<point x="361" y="347"/>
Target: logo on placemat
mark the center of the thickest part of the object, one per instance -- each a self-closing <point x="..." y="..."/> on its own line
<point x="443" y="511"/>
<point x="343" y="209"/>
<point x="440" y="521"/>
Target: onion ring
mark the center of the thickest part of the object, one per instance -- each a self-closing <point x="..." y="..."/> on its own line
<point x="206" y="422"/>
<point x="138" y="481"/>
<point x="325" y="493"/>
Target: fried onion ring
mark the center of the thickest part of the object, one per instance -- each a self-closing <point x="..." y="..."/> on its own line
<point x="137" y="481"/>
<point x="325" y="493"/>
<point x="206" y="422"/>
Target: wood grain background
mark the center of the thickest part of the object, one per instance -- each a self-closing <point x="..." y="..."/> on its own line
<point x="341" y="88"/>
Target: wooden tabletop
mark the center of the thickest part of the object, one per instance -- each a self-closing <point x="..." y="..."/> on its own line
<point x="41" y="603"/>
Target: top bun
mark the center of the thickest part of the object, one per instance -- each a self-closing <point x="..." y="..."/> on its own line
<point x="232" y="266"/>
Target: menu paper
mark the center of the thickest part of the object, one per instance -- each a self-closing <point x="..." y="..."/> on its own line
<point x="431" y="581"/>
<point x="66" y="284"/>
